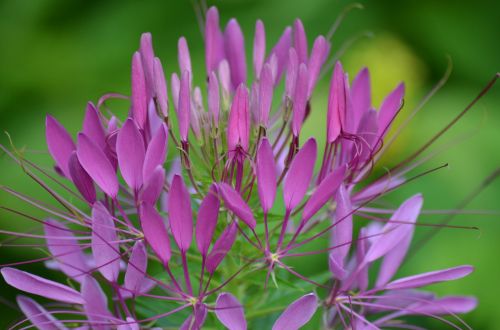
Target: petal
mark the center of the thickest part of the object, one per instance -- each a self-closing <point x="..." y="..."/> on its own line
<point x="183" y="56"/>
<point x="97" y="165"/>
<point x="238" y="128"/>
<point x="155" y="232"/>
<point x="230" y="312"/>
<point x="152" y="189"/>
<point x="266" y="88"/>
<point x="291" y="73"/>
<point x="175" y="83"/>
<point x="394" y="232"/>
<point x="299" y="175"/>
<point x="96" y="304"/>
<point x="83" y="182"/>
<point x="424" y="279"/>
<point x="336" y="104"/>
<point x="298" y="313"/>
<point x="280" y="50"/>
<point x="206" y="222"/>
<point x="137" y="268"/>
<point x="361" y="94"/>
<point x="221" y="247"/>
<point x="130" y="152"/>
<point x="323" y="193"/>
<point x="160" y="86"/>
<point x="300" y="99"/>
<point x="266" y="175"/>
<point x="300" y="41"/>
<point x="40" y="286"/>
<point x="444" y="306"/>
<point x="214" y="43"/>
<point x="38" y="315"/>
<point x="234" y="46"/>
<point x="65" y="249"/>
<point x="184" y="108"/>
<point x="342" y="231"/>
<point x="390" y="108"/>
<point x="235" y="203"/>
<point x="59" y="143"/>
<point x="259" y="48"/>
<point x="213" y="98"/>
<point x="155" y="153"/>
<point x="92" y="126"/>
<point x="180" y="213"/>
<point x="195" y="321"/>
<point x="319" y="53"/>
<point x="139" y="92"/>
<point x="105" y="248"/>
<point x="147" y="57"/>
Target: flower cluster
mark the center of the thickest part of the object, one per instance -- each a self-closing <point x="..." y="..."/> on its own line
<point x="213" y="232"/>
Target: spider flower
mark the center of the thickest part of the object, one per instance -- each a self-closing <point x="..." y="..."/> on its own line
<point x="152" y="236"/>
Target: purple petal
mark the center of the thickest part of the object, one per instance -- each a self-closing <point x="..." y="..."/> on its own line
<point x="259" y="48"/>
<point x="59" y="143"/>
<point x="336" y="269"/>
<point x="184" y="108"/>
<point x="147" y="57"/>
<point x="139" y="92"/>
<point x="130" y="152"/>
<point x="96" y="304"/>
<point x="105" y="247"/>
<point x="299" y="175"/>
<point x="323" y="193"/>
<point x="155" y="153"/>
<point x="65" y="249"/>
<point x="444" y="306"/>
<point x="424" y="279"/>
<point x="38" y="315"/>
<point x="394" y="232"/>
<point x="155" y="232"/>
<point x="319" y="54"/>
<point x="238" y="128"/>
<point x="130" y="325"/>
<point x="300" y="41"/>
<point x="224" y="78"/>
<point x="280" y="50"/>
<point x="266" y="175"/>
<point x="230" y="312"/>
<point x="40" y="286"/>
<point x="234" y="46"/>
<point x="291" y="73"/>
<point x="180" y="214"/>
<point x="298" y="313"/>
<point x="83" y="182"/>
<point x="175" y="83"/>
<point x="92" y="126"/>
<point x="97" y="165"/>
<point x="213" y="98"/>
<point x="336" y="104"/>
<point x="235" y="203"/>
<point x="266" y="88"/>
<point x="183" y="56"/>
<point x="342" y="231"/>
<point x="137" y="268"/>
<point x="160" y="86"/>
<point x="390" y="108"/>
<point x="152" y="189"/>
<point x="361" y="95"/>
<point x="208" y="214"/>
<point x="221" y="247"/>
<point x="300" y="99"/>
<point x="195" y="321"/>
<point x="214" y="42"/>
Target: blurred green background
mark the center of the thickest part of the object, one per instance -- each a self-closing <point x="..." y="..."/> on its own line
<point x="58" y="54"/>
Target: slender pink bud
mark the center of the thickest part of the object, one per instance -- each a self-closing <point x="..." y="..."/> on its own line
<point x="214" y="41"/>
<point x="318" y="57"/>
<point x="336" y="104"/>
<point x="266" y="88"/>
<point x="300" y="41"/>
<point x="234" y="43"/>
<point x="300" y="99"/>
<point x="259" y="48"/>
<point x="213" y="98"/>
<point x="139" y="93"/>
<point x="160" y="85"/>
<point x="183" y="56"/>
<point x="184" y="107"/>
<point x="238" y="128"/>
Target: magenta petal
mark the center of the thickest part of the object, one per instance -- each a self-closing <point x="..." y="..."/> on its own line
<point x="214" y="42"/>
<point x="96" y="304"/>
<point x="390" y="108"/>
<point x="38" y="315"/>
<point x="266" y="88"/>
<point x="319" y="54"/>
<point x="206" y="222"/>
<point x="92" y="126"/>
<point x="97" y="165"/>
<point x="196" y="320"/>
<point x="300" y="41"/>
<point x="130" y="152"/>
<point x="155" y="232"/>
<point x="83" y="182"/>
<point x="183" y="56"/>
<point x="444" y="306"/>
<point x="323" y="193"/>
<point x="299" y="175"/>
<point x="238" y="128"/>
<point x="155" y="153"/>
<point x="213" y="98"/>
<point x="259" y="48"/>
<point x="152" y="189"/>
<point x="342" y="231"/>
<point x="235" y="203"/>
<point x="298" y="313"/>
<point x="130" y="324"/>
<point x="336" y="269"/>
<point x="291" y="73"/>
<point x="180" y="213"/>
<point x="147" y="57"/>
<point x="394" y="232"/>
<point x="184" y="107"/>
<point x="424" y="279"/>
<point x="266" y="175"/>
<point x="230" y="312"/>
<point x="40" y="286"/>
<point x="336" y="104"/>
<point x="139" y="92"/>
<point x="105" y="248"/>
<point x="59" y="142"/>
<point x="234" y="46"/>
<point x="221" y="247"/>
<point x="300" y="99"/>
<point x="160" y="86"/>
<point x="175" y="83"/>
<point x="137" y="267"/>
<point x="65" y="249"/>
<point x="280" y="50"/>
<point x="361" y="95"/>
